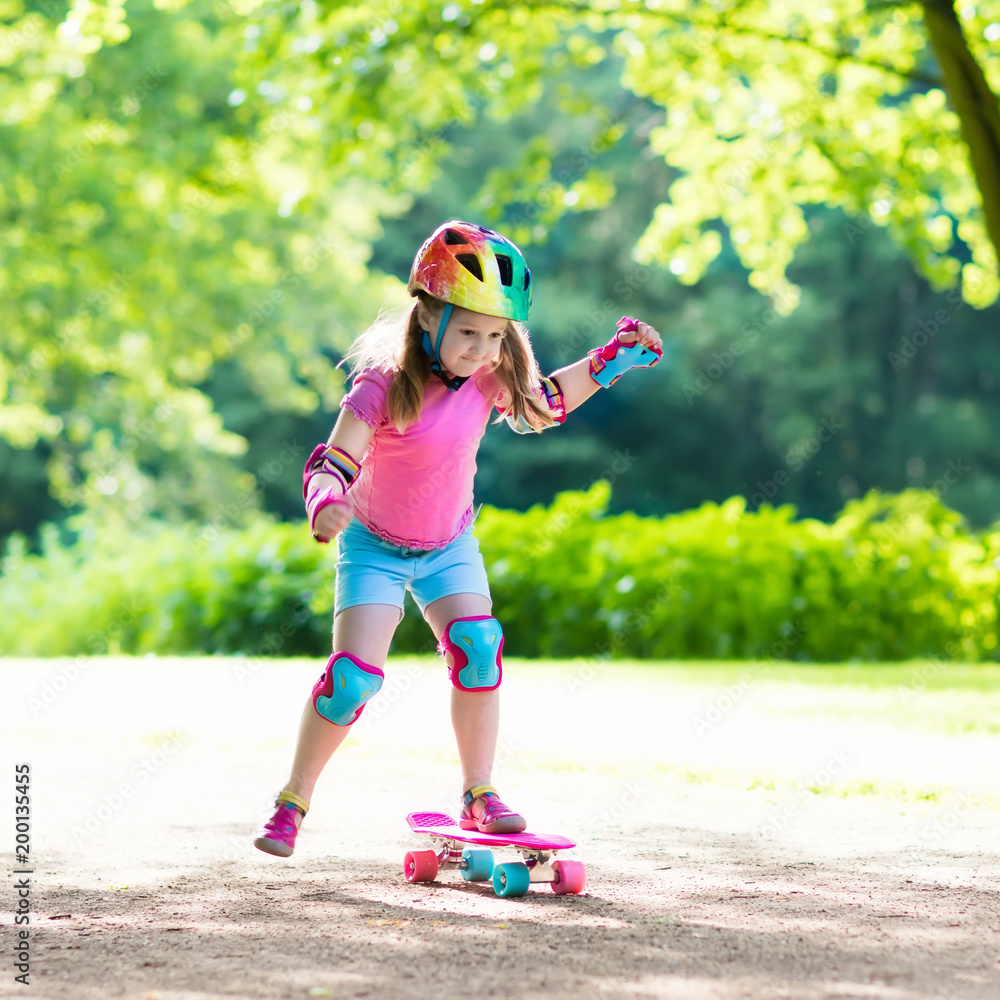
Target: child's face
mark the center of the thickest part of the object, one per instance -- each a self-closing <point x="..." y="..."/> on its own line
<point x="471" y="341"/>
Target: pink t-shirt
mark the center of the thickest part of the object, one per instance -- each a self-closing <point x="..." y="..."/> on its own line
<point x="415" y="488"/>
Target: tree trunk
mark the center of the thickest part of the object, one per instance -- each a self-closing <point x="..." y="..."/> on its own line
<point x="975" y="104"/>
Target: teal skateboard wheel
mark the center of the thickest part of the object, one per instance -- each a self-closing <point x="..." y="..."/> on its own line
<point x="480" y="865"/>
<point x="511" y="879"/>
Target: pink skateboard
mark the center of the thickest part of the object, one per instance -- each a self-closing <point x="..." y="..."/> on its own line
<point x="475" y="862"/>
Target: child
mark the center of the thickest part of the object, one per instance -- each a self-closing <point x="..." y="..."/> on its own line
<point x="395" y="481"/>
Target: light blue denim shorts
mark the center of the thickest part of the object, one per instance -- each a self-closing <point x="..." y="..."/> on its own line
<point x="371" y="570"/>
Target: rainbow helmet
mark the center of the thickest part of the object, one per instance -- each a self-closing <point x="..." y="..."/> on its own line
<point x="474" y="268"/>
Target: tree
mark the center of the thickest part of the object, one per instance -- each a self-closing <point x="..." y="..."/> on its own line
<point x="145" y="235"/>
<point x="201" y="182"/>
<point x="771" y="106"/>
<point x="787" y="104"/>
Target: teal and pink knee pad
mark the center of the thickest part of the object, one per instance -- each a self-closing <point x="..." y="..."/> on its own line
<point x="345" y="687"/>
<point x="475" y="644"/>
<point x="347" y="683"/>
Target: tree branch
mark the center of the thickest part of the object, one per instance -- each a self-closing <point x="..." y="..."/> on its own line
<point x="840" y="55"/>
<point x="837" y="55"/>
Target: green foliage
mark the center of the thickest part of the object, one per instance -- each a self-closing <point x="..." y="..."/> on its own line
<point x="770" y="107"/>
<point x="265" y="590"/>
<point x="146" y="235"/>
<point x="774" y="106"/>
<point x="893" y="578"/>
<point x="196" y="189"/>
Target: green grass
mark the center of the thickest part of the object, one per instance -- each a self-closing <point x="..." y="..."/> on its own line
<point x="929" y="674"/>
<point x="948" y="698"/>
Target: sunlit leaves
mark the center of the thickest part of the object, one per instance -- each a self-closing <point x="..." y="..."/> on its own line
<point x="147" y="233"/>
<point x="204" y="181"/>
<point x="786" y="104"/>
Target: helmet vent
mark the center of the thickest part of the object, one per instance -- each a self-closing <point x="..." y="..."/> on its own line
<point x="506" y="269"/>
<point x="471" y="263"/>
<point x="527" y="278"/>
<point x="454" y="239"/>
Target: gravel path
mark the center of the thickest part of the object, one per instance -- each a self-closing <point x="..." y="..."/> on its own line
<point x="715" y="870"/>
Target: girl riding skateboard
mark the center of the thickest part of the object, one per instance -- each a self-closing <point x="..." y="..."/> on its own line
<point x="394" y="483"/>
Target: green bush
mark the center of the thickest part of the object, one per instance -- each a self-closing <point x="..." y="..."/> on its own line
<point x="265" y="590"/>
<point x="895" y="577"/>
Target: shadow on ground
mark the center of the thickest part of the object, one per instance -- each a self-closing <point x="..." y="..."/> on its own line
<point x="709" y="919"/>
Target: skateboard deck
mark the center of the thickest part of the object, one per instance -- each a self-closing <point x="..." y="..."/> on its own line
<point x="441" y="825"/>
<point x="475" y="861"/>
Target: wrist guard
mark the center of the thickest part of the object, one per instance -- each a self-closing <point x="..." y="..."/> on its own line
<point x="330" y="461"/>
<point x="549" y="390"/>
<point x="609" y="363"/>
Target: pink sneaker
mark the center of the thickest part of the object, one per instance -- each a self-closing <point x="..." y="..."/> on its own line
<point x="278" y="834"/>
<point x="482" y="810"/>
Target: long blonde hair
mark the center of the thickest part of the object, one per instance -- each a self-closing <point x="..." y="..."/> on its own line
<point x="393" y="343"/>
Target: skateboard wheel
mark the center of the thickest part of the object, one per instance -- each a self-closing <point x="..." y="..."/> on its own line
<point x="511" y="879"/>
<point x="420" y="866"/>
<point x="571" y="877"/>
<point x="480" y="865"/>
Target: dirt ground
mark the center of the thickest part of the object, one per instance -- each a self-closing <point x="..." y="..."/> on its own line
<point x="713" y="870"/>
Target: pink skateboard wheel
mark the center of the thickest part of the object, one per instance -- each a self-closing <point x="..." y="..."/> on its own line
<point x="571" y="877"/>
<point x="420" y="866"/>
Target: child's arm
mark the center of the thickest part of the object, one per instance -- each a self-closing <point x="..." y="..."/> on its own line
<point x="634" y="345"/>
<point x="579" y="381"/>
<point x="328" y="475"/>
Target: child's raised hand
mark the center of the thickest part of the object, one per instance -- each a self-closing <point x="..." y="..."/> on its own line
<point x="645" y="334"/>
<point x="332" y="518"/>
<point x="634" y="345"/>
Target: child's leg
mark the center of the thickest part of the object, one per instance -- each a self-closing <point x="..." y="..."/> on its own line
<point x="364" y="630"/>
<point x="475" y="715"/>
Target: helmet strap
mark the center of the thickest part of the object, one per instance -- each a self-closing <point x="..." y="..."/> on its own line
<point x="453" y="382"/>
<point x="442" y="323"/>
